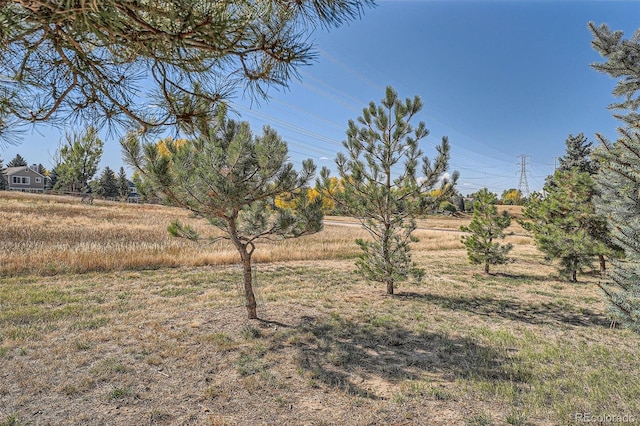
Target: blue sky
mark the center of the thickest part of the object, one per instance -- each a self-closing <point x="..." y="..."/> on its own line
<point x="499" y="78"/>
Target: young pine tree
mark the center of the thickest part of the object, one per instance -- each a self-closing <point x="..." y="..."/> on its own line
<point x="486" y="227"/>
<point x="231" y="178"/>
<point x="619" y="178"/>
<point x="562" y="222"/>
<point x="381" y="187"/>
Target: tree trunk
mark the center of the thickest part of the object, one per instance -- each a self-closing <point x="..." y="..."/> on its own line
<point x="249" y="297"/>
<point x="387" y="219"/>
<point x="245" y="256"/>
<point x="387" y="257"/>
<point x="486" y="267"/>
<point x="574" y="277"/>
<point x="603" y="264"/>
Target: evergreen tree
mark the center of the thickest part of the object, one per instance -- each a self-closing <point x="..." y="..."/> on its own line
<point x="231" y="178"/>
<point x="485" y="227"/>
<point x="18" y="161"/>
<point x="41" y="169"/>
<point x="621" y="62"/>
<point x="619" y="183"/>
<point x="90" y="59"/>
<point x="579" y="158"/>
<point x="123" y="184"/>
<point x="562" y="222"/>
<point x="578" y="155"/>
<point x="79" y="159"/>
<point x="619" y="177"/>
<point x="3" y="178"/>
<point x="107" y="185"/>
<point x="381" y="187"/>
<point x="52" y="179"/>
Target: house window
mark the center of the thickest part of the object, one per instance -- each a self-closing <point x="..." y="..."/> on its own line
<point x="21" y="180"/>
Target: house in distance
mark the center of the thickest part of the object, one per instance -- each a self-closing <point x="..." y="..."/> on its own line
<point x="24" y="179"/>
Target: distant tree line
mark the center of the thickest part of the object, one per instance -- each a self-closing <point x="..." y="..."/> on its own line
<point x="76" y="165"/>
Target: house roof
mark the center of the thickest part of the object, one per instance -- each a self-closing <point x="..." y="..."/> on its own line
<point x="13" y="170"/>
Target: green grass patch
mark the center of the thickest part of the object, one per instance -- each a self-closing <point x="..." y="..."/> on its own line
<point x="250" y="363"/>
<point x="89" y="324"/>
<point x="122" y="393"/>
<point x="12" y="420"/>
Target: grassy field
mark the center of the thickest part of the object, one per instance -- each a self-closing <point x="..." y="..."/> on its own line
<point x="105" y="319"/>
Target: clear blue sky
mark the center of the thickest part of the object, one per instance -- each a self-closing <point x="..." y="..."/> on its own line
<point x="499" y="78"/>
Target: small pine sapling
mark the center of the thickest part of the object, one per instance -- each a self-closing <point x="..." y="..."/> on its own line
<point x="486" y="226"/>
<point x="380" y="185"/>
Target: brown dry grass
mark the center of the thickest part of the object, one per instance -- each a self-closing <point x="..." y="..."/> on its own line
<point x="50" y="234"/>
<point x="171" y="345"/>
<point x="47" y="235"/>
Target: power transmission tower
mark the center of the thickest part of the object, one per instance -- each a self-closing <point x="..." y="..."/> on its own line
<point x="523" y="185"/>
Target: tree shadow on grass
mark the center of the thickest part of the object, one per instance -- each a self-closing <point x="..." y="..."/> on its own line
<point x="519" y="277"/>
<point x="552" y="277"/>
<point x="531" y="313"/>
<point x="349" y="356"/>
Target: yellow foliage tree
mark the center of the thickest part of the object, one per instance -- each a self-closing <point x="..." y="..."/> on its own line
<point x="435" y="193"/>
<point x="512" y="197"/>
<point x="287" y="201"/>
<point x="162" y="145"/>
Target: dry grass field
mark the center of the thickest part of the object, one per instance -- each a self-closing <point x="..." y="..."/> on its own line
<point x="106" y="320"/>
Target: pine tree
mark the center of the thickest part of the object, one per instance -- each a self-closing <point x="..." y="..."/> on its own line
<point x="3" y="178"/>
<point x="619" y="183"/>
<point x="18" y="161"/>
<point x="123" y="184"/>
<point x="621" y="62"/>
<point x="52" y="179"/>
<point x="42" y="169"/>
<point x="107" y="185"/>
<point x="562" y="222"/>
<point x="485" y="227"/>
<point x="381" y="187"/>
<point x="231" y="178"/>
<point x="578" y="155"/>
<point x="579" y="158"/>
<point x="619" y="176"/>
<point x="88" y="59"/>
